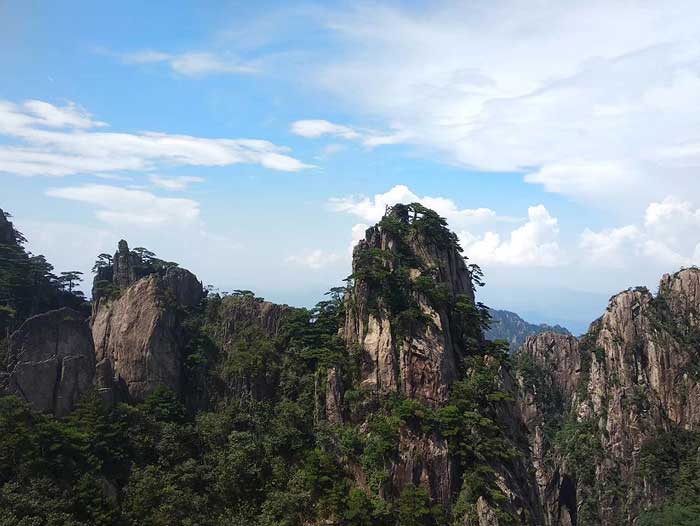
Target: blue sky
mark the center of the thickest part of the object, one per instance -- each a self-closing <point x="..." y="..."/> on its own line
<point x="248" y="142"/>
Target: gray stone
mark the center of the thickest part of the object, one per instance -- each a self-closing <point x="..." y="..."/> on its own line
<point x="52" y="360"/>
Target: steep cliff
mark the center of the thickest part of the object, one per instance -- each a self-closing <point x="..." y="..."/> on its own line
<point x="406" y="280"/>
<point x="246" y="330"/>
<point x="138" y="335"/>
<point x="415" y="330"/>
<point x="628" y="382"/>
<point x="51" y="361"/>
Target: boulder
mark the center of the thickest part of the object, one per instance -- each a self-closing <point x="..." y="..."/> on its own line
<point x="52" y="361"/>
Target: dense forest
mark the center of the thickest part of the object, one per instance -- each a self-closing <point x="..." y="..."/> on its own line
<point x="257" y="452"/>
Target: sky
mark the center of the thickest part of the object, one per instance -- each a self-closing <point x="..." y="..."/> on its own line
<point x="253" y="142"/>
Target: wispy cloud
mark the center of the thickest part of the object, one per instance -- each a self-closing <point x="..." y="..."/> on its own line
<point x="174" y="183"/>
<point x="316" y="128"/>
<point x="59" y="141"/>
<point x="121" y="206"/>
<point x="192" y="64"/>
<point x="372" y="209"/>
<point x="503" y="87"/>
<point x="314" y="259"/>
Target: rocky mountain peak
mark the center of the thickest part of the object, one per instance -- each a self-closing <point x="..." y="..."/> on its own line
<point x="681" y="294"/>
<point x="137" y="329"/>
<point x="408" y="273"/>
<point x="628" y="380"/>
<point x="125" y="266"/>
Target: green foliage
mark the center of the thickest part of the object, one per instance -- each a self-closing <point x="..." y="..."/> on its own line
<point x="105" y="289"/>
<point x="672" y="515"/>
<point x="547" y="394"/>
<point x="252" y="446"/>
<point x="69" y="279"/>
<point x="579" y="442"/>
<point x="28" y="287"/>
<point x="102" y="261"/>
<point x="413" y="508"/>
<point x="672" y="461"/>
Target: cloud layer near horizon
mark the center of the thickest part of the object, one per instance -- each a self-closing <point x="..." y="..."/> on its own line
<point x="667" y="235"/>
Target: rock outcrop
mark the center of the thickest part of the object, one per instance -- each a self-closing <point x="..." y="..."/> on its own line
<point x="627" y="381"/>
<point x="411" y="319"/>
<point x="410" y="342"/>
<point x="244" y="325"/>
<point x="125" y="266"/>
<point x="52" y="361"/>
<point x="138" y="336"/>
<point x="240" y="312"/>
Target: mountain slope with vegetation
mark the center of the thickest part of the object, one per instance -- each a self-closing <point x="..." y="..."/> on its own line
<point x="385" y="404"/>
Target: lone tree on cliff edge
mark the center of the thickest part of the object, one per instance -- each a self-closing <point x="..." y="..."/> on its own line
<point x="70" y="279"/>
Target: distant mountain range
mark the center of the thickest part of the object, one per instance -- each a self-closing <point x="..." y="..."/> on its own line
<point x="507" y="325"/>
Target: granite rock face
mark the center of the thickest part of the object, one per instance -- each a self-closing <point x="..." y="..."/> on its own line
<point x="246" y="311"/>
<point x="138" y="336"/>
<point x="125" y="266"/>
<point x="404" y="321"/>
<point x="630" y="379"/>
<point x="420" y="362"/>
<point x="184" y="286"/>
<point x="244" y="320"/>
<point x="52" y="361"/>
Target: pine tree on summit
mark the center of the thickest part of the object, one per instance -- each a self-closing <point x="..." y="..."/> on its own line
<point x="70" y="279"/>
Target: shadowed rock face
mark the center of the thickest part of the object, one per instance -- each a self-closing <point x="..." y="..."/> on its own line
<point x="242" y="312"/>
<point x="184" y="286"/>
<point x="7" y="231"/>
<point x="52" y="360"/>
<point x="138" y="337"/>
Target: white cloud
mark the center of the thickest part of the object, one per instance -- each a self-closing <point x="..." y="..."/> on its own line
<point x="532" y="244"/>
<point x="70" y="146"/>
<point x="596" y="100"/>
<point x="669" y="236"/>
<point x="314" y="259"/>
<point x="372" y="209"/>
<point x="122" y="206"/>
<point x="60" y="117"/>
<point x="607" y="246"/>
<point x="174" y="183"/>
<point x="585" y="179"/>
<point x="358" y="233"/>
<point x="315" y="128"/>
<point x="192" y="64"/>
